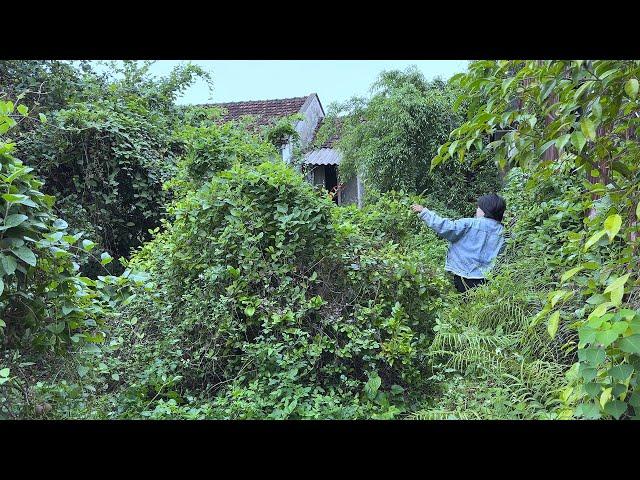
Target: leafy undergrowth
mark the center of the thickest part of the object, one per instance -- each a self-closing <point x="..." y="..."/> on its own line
<point x="270" y="302"/>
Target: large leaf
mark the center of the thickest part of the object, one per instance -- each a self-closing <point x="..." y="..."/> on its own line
<point x="26" y="255"/>
<point x="588" y="129"/>
<point x="631" y="88"/>
<point x="616" y="289"/>
<point x="592" y="356"/>
<point x="606" y="337"/>
<point x="9" y="264"/>
<point x="594" y="238"/>
<point x="552" y="325"/>
<point x="372" y="386"/>
<point x="615" y="408"/>
<point x="630" y="344"/>
<point x="621" y="372"/>
<point x="570" y="273"/>
<point x="562" y="141"/>
<point x="612" y="225"/>
<point x="13" y="220"/>
<point x="578" y="140"/>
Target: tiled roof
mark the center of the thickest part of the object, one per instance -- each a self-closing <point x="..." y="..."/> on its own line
<point x="264" y="110"/>
<point x="333" y="138"/>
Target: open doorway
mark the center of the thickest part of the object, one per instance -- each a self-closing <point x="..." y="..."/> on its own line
<point x="331" y="179"/>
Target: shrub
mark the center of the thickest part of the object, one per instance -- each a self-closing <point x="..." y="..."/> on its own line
<point x="271" y="296"/>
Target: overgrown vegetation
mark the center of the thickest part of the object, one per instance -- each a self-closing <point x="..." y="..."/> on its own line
<point x="391" y="137"/>
<point x="246" y="293"/>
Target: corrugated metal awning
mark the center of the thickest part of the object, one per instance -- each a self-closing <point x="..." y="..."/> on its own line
<point x="323" y="156"/>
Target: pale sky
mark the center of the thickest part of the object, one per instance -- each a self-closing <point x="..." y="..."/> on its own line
<point x="332" y="80"/>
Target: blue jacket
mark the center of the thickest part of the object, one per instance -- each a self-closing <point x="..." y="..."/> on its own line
<point x="475" y="243"/>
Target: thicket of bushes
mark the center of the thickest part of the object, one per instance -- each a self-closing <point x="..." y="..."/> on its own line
<point x="270" y="302"/>
<point x="256" y="297"/>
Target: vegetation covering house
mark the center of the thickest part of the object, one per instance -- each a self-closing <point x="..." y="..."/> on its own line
<point x="320" y="163"/>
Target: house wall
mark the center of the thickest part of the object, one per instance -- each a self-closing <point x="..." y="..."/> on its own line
<point x="349" y="194"/>
<point x="313" y="113"/>
<point x="287" y="152"/>
<point x="318" y="175"/>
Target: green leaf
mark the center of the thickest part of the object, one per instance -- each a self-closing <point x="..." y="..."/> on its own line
<point x="612" y="225"/>
<point x="23" y="110"/>
<point x="592" y="356"/>
<point x="638" y="211"/>
<point x="14" y="197"/>
<point x="552" y="324"/>
<point x="588" y="129"/>
<point x="600" y="310"/>
<point x="249" y="311"/>
<point x="594" y="238"/>
<point x="621" y="372"/>
<point x="606" y="337"/>
<point x="589" y="411"/>
<point x="60" y="224"/>
<point x="605" y="396"/>
<point x="562" y="141"/>
<point x="616" y="289"/>
<point x="372" y="386"/>
<point x="88" y="245"/>
<point x="570" y="273"/>
<point x="1" y="286"/>
<point x="9" y="264"/>
<point x="57" y="327"/>
<point x="631" y="88"/>
<point x="105" y="258"/>
<point x="14" y="220"/>
<point x="26" y="255"/>
<point x="630" y="344"/>
<point x="615" y="408"/>
<point x="82" y="370"/>
<point x="593" y="389"/>
<point x="452" y="148"/>
<point x="578" y="140"/>
<point x="4" y="372"/>
<point x="42" y="117"/>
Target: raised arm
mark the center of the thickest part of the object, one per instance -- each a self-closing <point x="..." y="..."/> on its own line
<point x="451" y="230"/>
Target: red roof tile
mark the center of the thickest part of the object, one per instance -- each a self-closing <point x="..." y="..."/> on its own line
<point x="264" y="110"/>
<point x="328" y="143"/>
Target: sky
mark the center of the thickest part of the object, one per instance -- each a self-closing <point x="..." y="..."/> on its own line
<point x="332" y="80"/>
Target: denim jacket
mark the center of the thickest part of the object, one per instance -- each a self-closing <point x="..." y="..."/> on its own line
<point x="475" y="243"/>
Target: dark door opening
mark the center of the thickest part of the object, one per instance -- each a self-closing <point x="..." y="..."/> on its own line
<point x="331" y="179"/>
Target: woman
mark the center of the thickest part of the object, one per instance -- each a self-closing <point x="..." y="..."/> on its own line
<point x="475" y="242"/>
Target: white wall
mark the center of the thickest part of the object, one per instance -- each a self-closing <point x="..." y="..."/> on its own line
<point x="312" y="111"/>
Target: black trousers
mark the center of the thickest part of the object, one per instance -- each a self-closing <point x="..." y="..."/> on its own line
<point x="463" y="284"/>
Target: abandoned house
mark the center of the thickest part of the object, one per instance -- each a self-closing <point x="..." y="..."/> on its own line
<point x="320" y="164"/>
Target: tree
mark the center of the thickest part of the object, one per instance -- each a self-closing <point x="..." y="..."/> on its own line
<point x="108" y="146"/>
<point x="590" y="114"/>
<point x="391" y="137"/>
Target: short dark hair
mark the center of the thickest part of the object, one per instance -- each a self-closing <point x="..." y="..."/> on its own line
<point x="493" y="206"/>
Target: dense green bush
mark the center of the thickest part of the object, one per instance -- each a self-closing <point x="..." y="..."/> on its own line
<point x="46" y="306"/>
<point x="272" y="302"/>
<point x="107" y="148"/>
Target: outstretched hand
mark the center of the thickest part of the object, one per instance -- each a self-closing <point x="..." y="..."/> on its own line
<point x="417" y="208"/>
